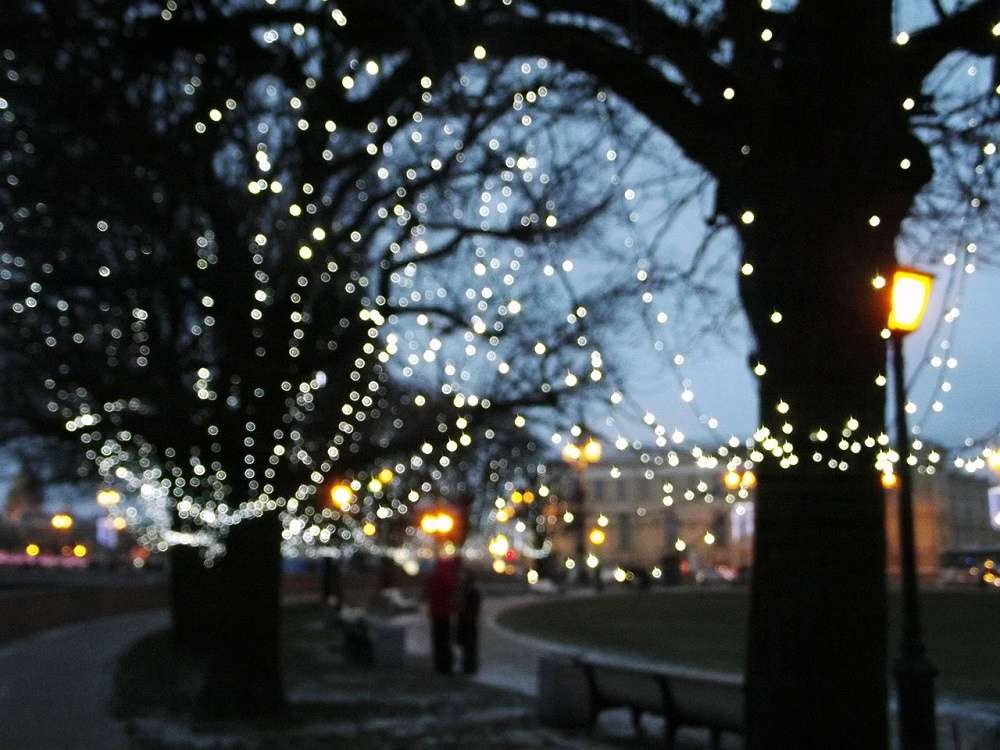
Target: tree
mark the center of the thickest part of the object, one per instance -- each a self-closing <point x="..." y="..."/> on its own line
<point x="219" y="249"/>
<point x="822" y="126"/>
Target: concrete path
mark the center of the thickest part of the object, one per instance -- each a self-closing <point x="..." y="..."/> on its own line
<point x="506" y="661"/>
<point x="55" y="687"/>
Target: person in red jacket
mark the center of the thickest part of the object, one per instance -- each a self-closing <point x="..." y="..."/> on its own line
<point x="440" y="594"/>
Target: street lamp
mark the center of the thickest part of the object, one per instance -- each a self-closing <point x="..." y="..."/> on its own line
<point x="437" y="523"/>
<point x="579" y="457"/>
<point x="108" y="498"/>
<point x="342" y="496"/>
<point x="914" y="672"/>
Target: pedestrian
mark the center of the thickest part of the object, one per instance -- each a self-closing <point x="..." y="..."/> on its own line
<point x="440" y="594"/>
<point x="467" y="622"/>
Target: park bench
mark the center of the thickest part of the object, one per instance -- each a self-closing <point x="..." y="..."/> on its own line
<point x="682" y="697"/>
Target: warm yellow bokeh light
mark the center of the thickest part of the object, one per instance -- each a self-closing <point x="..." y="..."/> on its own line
<point x="597" y="537"/>
<point x="592" y="451"/>
<point x="889" y="480"/>
<point x="993" y="460"/>
<point x="108" y="498"/>
<point x="499" y="545"/>
<point x="62" y="521"/>
<point x="571" y="452"/>
<point x="911" y="291"/>
<point x="445" y="523"/>
<point x="32" y="550"/>
<point x="385" y="476"/>
<point x="80" y="550"/>
<point x="342" y="496"/>
<point x="731" y="479"/>
<point x="437" y="523"/>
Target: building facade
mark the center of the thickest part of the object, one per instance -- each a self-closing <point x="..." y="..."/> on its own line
<point x="654" y="509"/>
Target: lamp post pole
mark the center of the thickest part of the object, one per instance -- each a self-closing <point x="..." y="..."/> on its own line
<point x="913" y="670"/>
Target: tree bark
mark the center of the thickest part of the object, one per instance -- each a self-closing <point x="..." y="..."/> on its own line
<point x="244" y="678"/>
<point x="817" y="667"/>
<point x="194" y="600"/>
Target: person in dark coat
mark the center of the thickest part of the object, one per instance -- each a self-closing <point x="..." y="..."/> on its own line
<point x="440" y="594"/>
<point x="467" y="622"/>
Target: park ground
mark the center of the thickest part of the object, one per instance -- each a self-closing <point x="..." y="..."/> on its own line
<point x="64" y="684"/>
<point x="706" y="630"/>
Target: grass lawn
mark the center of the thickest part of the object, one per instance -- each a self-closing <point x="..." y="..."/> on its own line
<point x="706" y="629"/>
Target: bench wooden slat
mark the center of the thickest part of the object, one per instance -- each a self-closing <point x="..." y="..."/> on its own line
<point x="682" y="697"/>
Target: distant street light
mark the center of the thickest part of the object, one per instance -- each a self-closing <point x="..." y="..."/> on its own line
<point x="915" y="674"/>
<point x="437" y="523"/>
<point x="62" y="521"/>
<point x="342" y="496"/>
<point x="108" y="498"/>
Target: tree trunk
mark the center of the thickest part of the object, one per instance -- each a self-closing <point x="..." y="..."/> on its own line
<point x="244" y="677"/>
<point x="816" y="672"/>
<point x="194" y="599"/>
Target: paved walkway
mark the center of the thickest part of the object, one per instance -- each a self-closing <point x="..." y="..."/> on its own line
<point x="55" y="687"/>
<point x="507" y="662"/>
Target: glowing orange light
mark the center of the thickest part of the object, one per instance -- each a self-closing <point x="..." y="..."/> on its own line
<point x="108" y="498"/>
<point x="597" y="537"/>
<point x="342" y="496"/>
<point x="592" y="451"/>
<point x="446" y="523"/>
<point x="889" y="480"/>
<point x="732" y="480"/>
<point x="749" y="480"/>
<point x="911" y="291"/>
<point x="571" y="453"/>
<point x="993" y="460"/>
<point x="437" y="523"/>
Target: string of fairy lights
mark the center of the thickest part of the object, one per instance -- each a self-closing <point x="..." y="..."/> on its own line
<point x="443" y="329"/>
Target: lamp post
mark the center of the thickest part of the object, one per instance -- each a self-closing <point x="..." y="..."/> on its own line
<point x="913" y="670"/>
<point x="579" y="457"/>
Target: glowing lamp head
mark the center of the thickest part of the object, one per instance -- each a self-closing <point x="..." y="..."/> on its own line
<point x="437" y="523"/>
<point x="889" y="480"/>
<point x="445" y="523"/>
<point x="911" y="291"/>
<point x="342" y="496"/>
<point x="499" y="545"/>
<point x="591" y="451"/>
<point x="428" y="523"/>
<point x="731" y="479"/>
<point x="108" y="498"/>
<point x="571" y="453"/>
